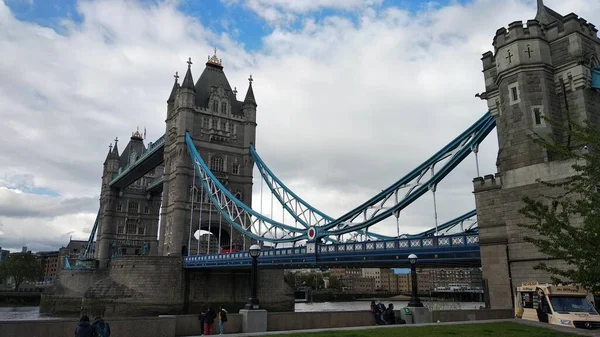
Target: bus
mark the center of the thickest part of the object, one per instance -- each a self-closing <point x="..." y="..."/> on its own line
<point x="231" y="249"/>
<point x="565" y="305"/>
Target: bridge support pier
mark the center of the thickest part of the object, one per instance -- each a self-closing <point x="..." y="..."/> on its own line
<point x="158" y="285"/>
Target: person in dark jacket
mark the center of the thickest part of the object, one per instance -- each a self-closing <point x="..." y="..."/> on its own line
<point x="84" y="328"/>
<point x="389" y="316"/>
<point x="209" y="321"/>
<point x="101" y="327"/>
<point x="201" y="318"/>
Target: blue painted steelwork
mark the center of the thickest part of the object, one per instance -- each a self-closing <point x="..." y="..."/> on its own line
<point x="305" y="208"/>
<point x="152" y="148"/>
<point x="432" y="251"/>
<point x="458" y="149"/>
<point x="596" y="78"/>
<point x="230" y="207"/>
<point x="272" y="181"/>
<point x="90" y="243"/>
<point x="465" y="143"/>
<point x="446" y="226"/>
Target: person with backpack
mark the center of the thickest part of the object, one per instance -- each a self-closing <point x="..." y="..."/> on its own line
<point x="222" y="319"/>
<point x="101" y="327"/>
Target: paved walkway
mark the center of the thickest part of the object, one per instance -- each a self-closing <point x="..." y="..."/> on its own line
<point x="580" y="332"/>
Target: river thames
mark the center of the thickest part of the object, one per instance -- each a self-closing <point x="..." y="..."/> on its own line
<point x="32" y="313"/>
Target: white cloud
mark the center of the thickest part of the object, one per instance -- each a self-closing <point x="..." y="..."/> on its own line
<point x="286" y="11"/>
<point x="345" y="107"/>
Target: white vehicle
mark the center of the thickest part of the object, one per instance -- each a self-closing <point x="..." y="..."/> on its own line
<point x="565" y="305"/>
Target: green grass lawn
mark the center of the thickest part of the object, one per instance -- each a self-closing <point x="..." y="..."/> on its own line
<point x="503" y="329"/>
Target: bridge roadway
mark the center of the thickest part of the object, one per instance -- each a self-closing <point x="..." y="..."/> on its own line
<point x="461" y="250"/>
<point x="146" y="162"/>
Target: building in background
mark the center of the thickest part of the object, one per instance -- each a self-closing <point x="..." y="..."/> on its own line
<point x="50" y="264"/>
<point x="374" y="274"/>
<point x="3" y="254"/>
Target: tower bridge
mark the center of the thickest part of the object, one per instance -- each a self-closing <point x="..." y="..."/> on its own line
<point x="198" y="177"/>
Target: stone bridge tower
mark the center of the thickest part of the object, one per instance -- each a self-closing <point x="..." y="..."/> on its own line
<point x="222" y="129"/>
<point x="539" y="69"/>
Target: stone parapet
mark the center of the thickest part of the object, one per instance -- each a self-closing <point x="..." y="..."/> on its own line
<point x="571" y="23"/>
<point x="516" y="31"/>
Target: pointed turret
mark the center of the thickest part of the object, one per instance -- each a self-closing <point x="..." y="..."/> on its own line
<point x="173" y="94"/>
<point x="546" y="15"/>
<point x="250" y="94"/>
<point x="188" y="81"/>
<point x="115" y="150"/>
<point x="109" y="154"/>
<point x="186" y="93"/>
<point x="111" y="163"/>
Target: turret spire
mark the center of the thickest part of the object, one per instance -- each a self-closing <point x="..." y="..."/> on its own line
<point x="173" y="94"/>
<point x="250" y="93"/>
<point x="544" y="14"/>
<point x="188" y="81"/>
<point x="115" y="149"/>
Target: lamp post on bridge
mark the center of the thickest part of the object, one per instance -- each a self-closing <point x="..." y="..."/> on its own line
<point x="254" y="252"/>
<point x="414" y="302"/>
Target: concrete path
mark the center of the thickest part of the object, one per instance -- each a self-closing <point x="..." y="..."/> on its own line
<point x="580" y="332"/>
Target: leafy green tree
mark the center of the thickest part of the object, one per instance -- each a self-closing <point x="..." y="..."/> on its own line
<point x="568" y="224"/>
<point x="334" y="283"/>
<point x="21" y="267"/>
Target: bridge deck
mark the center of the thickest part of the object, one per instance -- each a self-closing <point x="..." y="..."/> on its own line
<point x="436" y="252"/>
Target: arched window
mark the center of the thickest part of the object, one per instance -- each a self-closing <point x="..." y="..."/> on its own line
<point x="216" y="164"/>
<point x="235" y="169"/>
<point x="223" y="107"/>
<point x="238" y="195"/>
<point x="594" y="62"/>
<point x="215" y="106"/>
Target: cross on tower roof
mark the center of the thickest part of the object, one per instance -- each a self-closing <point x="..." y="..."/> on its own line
<point x="110" y="147"/>
<point x="116" y="140"/>
<point x="189" y="62"/>
<point x="250" y="79"/>
<point x="176" y="76"/>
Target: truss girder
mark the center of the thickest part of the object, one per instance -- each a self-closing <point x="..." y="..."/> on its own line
<point x="456" y="151"/>
<point x="392" y="198"/>
<point x="387" y="203"/>
<point x="243" y="218"/>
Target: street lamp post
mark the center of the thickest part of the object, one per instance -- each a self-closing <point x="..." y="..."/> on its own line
<point x="253" y="300"/>
<point x="414" y="299"/>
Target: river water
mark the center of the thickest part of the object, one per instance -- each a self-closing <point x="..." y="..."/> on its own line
<point x="32" y="313"/>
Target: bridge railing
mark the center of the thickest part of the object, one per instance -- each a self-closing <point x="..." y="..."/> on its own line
<point x="307" y="253"/>
<point x="152" y="148"/>
<point x="400" y="244"/>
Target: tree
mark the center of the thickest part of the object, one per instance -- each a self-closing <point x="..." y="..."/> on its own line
<point x="334" y="283"/>
<point x="21" y="267"/>
<point x="568" y="225"/>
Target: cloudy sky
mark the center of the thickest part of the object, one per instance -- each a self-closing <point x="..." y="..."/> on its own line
<point x="351" y="95"/>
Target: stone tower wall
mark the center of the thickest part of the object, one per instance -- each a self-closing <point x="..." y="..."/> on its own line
<point x="230" y="140"/>
<point x="549" y="69"/>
